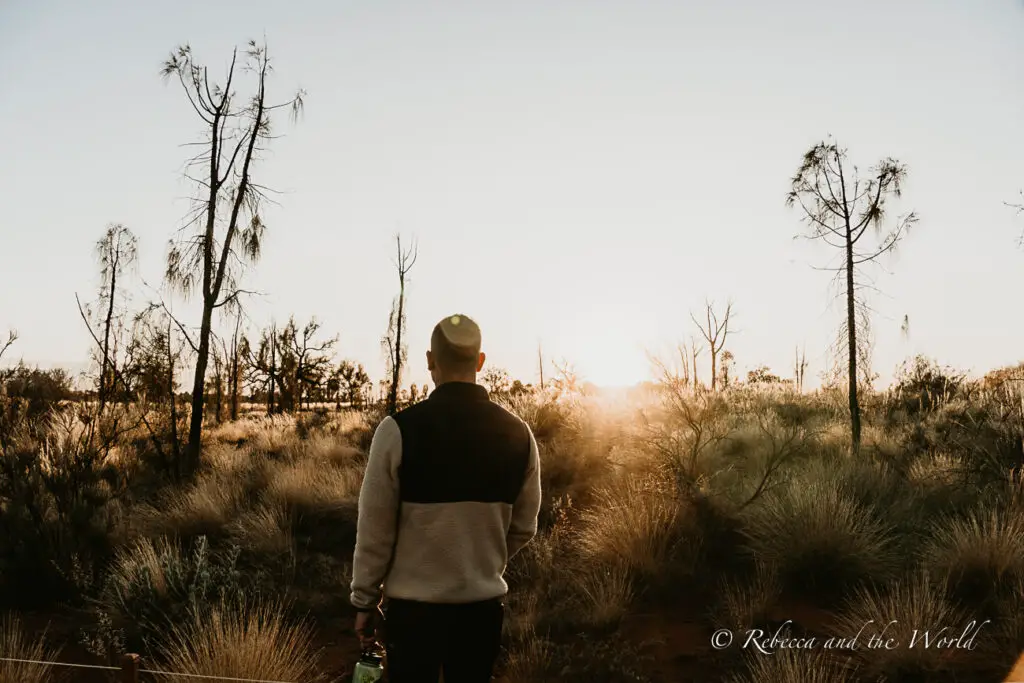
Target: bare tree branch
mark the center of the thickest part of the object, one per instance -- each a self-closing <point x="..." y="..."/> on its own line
<point x="12" y="336"/>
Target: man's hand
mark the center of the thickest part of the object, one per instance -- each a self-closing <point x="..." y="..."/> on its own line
<point x="365" y="627"/>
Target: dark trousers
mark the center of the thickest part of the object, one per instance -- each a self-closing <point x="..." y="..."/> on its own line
<point x="423" y="639"/>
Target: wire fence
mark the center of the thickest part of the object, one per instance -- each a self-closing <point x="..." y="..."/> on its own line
<point x="131" y="670"/>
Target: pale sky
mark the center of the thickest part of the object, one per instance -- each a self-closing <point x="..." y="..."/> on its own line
<point x="581" y="174"/>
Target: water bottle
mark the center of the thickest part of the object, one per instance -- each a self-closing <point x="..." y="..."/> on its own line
<point x="370" y="667"/>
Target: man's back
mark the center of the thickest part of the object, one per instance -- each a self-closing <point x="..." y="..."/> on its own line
<point x="451" y="492"/>
<point x="456" y="465"/>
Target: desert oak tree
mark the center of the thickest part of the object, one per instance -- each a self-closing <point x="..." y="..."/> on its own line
<point x="225" y="228"/>
<point x="839" y="206"/>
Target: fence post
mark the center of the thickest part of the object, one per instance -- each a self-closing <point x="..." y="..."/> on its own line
<point x="130" y="668"/>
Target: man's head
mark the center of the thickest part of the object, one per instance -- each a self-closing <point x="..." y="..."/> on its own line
<point x="454" y="354"/>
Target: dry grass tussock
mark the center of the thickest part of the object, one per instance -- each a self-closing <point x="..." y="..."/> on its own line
<point x="306" y="485"/>
<point x="144" y="560"/>
<point x="634" y="523"/>
<point x="904" y="613"/>
<point x="795" y="666"/>
<point x="821" y="539"/>
<point x="528" y="658"/>
<point x="606" y="594"/>
<point x="939" y="470"/>
<point x="252" y="494"/>
<point x="745" y="605"/>
<point x="205" y="507"/>
<point x="241" y="641"/>
<point x="267" y="528"/>
<point x="348" y="423"/>
<point x="326" y="448"/>
<point x="14" y="644"/>
<point x="981" y="555"/>
<point x="248" y="427"/>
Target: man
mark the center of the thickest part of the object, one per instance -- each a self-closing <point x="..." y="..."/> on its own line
<point x="451" y="492"/>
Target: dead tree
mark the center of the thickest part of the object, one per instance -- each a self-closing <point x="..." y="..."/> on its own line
<point x="310" y="361"/>
<point x="235" y="367"/>
<point x="715" y="332"/>
<point x="12" y="336"/>
<point x="264" y="368"/>
<point x="274" y="375"/>
<point x="839" y="206"/>
<point x="219" y="363"/>
<point x="116" y="250"/>
<point x="695" y="350"/>
<point x="540" y="366"/>
<point x="392" y="342"/>
<point x="231" y="369"/>
<point x="799" y="368"/>
<point x="225" y="229"/>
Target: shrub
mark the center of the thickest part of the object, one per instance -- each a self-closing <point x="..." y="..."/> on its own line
<point x="265" y="529"/>
<point x="55" y="511"/>
<point x="746" y="604"/>
<point x="822" y="542"/>
<point x="528" y="659"/>
<point x="637" y="524"/>
<point x="203" y="508"/>
<point x="154" y="585"/>
<point x="903" y="614"/>
<point x="42" y="390"/>
<point x="606" y="594"/>
<point x="922" y="384"/>
<point x="981" y="557"/>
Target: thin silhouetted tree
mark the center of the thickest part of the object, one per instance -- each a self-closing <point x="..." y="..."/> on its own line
<point x="225" y="230"/>
<point x="540" y="366"/>
<point x="715" y="332"/>
<point x="799" y="369"/>
<point x="839" y="207"/>
<point x="116" y="251"/>
<point x="392" y="342"/>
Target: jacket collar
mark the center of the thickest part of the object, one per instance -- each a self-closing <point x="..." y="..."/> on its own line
<point x="460" y="391"/>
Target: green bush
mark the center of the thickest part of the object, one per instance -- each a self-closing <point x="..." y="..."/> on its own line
<point x="56" y="511"/>
<point x="153" y="586"/>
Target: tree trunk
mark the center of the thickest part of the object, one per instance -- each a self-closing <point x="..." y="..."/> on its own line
<point x="175" y="446"/>
<point x="851" y="324"/>
<point x="696" y="381"/>
<point x="396" y="371"/>
<point x="234" y="375"/>
<point x="195" y="428"/>
<point x="219" y="391"/>
<point x="273" y="370"/>
<point x="714" y="367"/>
<point x="106" y="337"/>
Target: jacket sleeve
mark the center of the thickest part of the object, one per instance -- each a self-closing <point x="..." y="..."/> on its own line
<point x="377" y="523"/>
<point x="527" y="506"/>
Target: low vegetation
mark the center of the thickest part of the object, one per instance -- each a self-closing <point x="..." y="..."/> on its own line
<point x="666" y="516"/>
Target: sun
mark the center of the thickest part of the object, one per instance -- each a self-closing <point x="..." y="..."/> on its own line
<point x="611" y="362"/>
